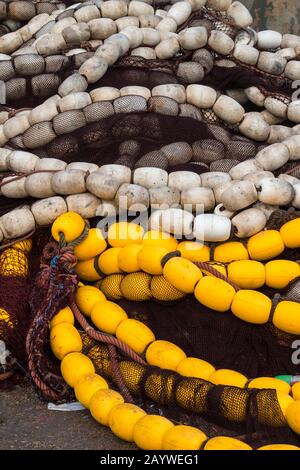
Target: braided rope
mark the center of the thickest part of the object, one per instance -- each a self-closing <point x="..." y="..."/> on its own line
<point x="216" y="273"/>
<point x="103" y="337"/>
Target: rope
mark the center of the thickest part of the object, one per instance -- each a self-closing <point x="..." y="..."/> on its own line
<point x="78" y="240"/>
<point x="216" y="273"/>
<point x="17" y="240"/>
<point x="23" y="175"/>
<point x="118" y="377"/>
<point x="103" y="337"/>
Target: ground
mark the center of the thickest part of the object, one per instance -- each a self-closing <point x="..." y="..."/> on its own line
<point x="26" y="423"/>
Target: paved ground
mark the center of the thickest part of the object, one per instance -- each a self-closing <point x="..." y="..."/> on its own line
<point x="26" y="423"/>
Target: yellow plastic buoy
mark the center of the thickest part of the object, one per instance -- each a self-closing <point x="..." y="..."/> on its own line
<point x="102" y="402"/>
<point x="70" y="224"/>
<point x="251" y="306"/>
<point x="123" y="418"/>
<point x="161" y="289"/>
<point x="296" y="391"/>
<point x="65" y="315"/>
<point x="265" y="245"/>
<point x="194" y="251"/>
<point x="247" y="274"/>
<point x="91" y="246"/>
<point x="194" y="367"/>
<point x="87" y="297"/>
<point x="279" y="447"/>
<point x="135" y="334"/>
<point x="149" y="431"/>
<point x="157" y="238"/>
<point x="65" y="339"/>
<point x="111" y="286"/>
<point x="107" y="316"/>
<point x="290" y="233"/>
<point x="230" y="251"/>
<point x="280" y="272"/>
<point x="284" y="401"/>
<point x="87" y="385"/>
<point x="228" y="377"/>
<point x="270" y="382"/>
<point x="128" y="258"/>
<point x="123" y="233"/>
<point x="149" y="259"/>
<point x="164" y="354"/>
<point x="136" y="286"/>
<point x="292" y="415"/>
<point x="108" y="261"/>
<point x="214" y="293"/>
<point x="74" y="365"/>
<point x="87" y="271"/>
<point x="182" y="274"/>
<point x="183" y="438"/>
<point x="226" y="443"/>
<point x="286" y="317"/>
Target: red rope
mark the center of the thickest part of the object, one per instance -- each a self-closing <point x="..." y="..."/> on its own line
<point x="216" y="273"/>
<point x="103" y="337"/>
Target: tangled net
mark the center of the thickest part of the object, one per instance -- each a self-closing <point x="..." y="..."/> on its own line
<point x="138" y="111"/>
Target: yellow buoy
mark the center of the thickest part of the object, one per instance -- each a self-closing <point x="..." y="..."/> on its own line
<point x="251" y="306"/>
<point x="87" y="385"/>
<point x="87" y="297"/>
<point x="108" y="261"/>
<point x="74" y="365"/>
<point x="270" y="382"/>
<point x="24" y="245"/>
<point x="161" y="289"/>
<point x="87" y="270"/>
<point x="136" y="286"/>
<point x="135" y="334"/>
<point x="226" y="443"/>
<point x="128" y="258"/>
<point x="286" y="317"/>
<point x="149" y="431"/>
<point x="292" y="415"/>
<point x="65" y="339"/>
<point x="123" y="233"/>
<point x="290" y="233"/>
<point x="107" y="316"/>
<point x="183" y="438"/>
<point x="149" y="259"/>
<point x="279" y="447"/>
<point x="102" y="402"/>
<point x="296" y="391"/>
<point x="265" y="245"/>
<point x="194" y="367"/>
<point x="182" y="274"/>
<point x="228" y="377"/>
<point x="280" y="272"/>
<point x="70" y="224"/>
<point x="164" y="354"/>
<point x="157" y="238"/>
<point x="214" y="293"/>
<point x="230" y="251"/>
<point x="111" y="286"/>
<point x="123" y="418"/>
<point x="91" y="246"/>
<point x="194" y="251"/>
<point x="247" y="274"/>
<point x="13" y="263"/>
<point x="65" y="315"/>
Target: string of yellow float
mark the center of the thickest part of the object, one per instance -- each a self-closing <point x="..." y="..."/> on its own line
<point x="128" y="421"/>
